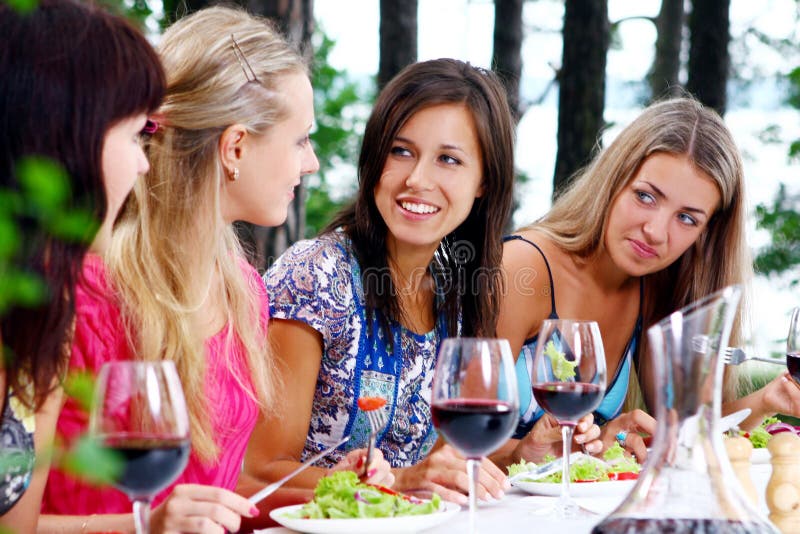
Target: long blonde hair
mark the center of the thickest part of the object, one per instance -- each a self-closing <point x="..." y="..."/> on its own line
<point x="171" y="241"/>
<point x="720" y="257"/>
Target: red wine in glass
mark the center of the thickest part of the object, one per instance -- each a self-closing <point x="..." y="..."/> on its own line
<point x="793" y="364"/>
<point x="474" y="427"/>
<point x="568" y="401"/>
<point x="150" y="464"/>
<point x="568" y="380"/>
<point x="474" y="401"/>
<point x="793" y="346"/>
<point x="139" y="411"/>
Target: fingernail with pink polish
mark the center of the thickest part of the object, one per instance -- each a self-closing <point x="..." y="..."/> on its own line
<point x="371" y="473"/>
<point x="360" y="462"/>
<point x="254" y="512"/>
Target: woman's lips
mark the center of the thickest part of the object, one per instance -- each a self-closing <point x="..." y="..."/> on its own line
<point x="642" y="250"/>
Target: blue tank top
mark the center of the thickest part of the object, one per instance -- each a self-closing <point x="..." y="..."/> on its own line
<point x="614" y="398"/>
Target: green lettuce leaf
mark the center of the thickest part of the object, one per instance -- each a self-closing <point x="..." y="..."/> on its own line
<point x="342" y="496"/>
<point x="563" y="369"/>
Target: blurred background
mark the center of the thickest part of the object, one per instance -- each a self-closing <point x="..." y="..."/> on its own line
<point x="576" y="71"/>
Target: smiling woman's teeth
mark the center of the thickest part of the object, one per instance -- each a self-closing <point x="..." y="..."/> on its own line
<point x="419" y="208"/>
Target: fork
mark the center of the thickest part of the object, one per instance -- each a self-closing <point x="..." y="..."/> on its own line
<point x="736" y="356"/>
<point x="377" y="420"/>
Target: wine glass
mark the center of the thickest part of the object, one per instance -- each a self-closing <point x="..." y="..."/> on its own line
<point x="569" y="380"/>
<point x="474" y="400"/>
<point x="793" y="346"/>
<point x="139" y="412"/>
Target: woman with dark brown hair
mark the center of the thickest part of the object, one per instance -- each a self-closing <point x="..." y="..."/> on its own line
<point x="77" y="85"/>
<point x="361" y="310"/>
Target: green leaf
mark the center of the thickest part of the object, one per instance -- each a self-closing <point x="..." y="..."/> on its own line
<point x="45" y="183"/>
<point x="79" y="385"/>
<point x="9" y="237"/>
<point x="22" y="6"/>
<point x="77" y="225"/>
<point x="92" y="462"/>
<point x="563" y="369"/>
<point x="21" y="288"/>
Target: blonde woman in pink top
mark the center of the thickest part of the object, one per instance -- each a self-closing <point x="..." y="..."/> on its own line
<point x="230" y="143"/>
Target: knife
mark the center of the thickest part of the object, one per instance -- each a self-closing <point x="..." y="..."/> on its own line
<point x="270" y="489"/>
<point x="542" y="470"/>
<point x="731" y="421"/>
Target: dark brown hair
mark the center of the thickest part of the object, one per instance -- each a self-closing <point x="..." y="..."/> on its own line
<point x="467" y="262"/>
<point x="68" y="72"/>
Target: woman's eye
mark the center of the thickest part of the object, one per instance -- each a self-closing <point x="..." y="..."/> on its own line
<point x="645" y="197"/>
<point x="450" y="160"/>
<point x="400" y="151"/>
<point x="685" y="218"/>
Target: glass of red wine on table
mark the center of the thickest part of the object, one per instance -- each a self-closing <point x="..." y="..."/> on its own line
<point x="793" y="346"/>
<point x="139" y="413"/>
<point x="569" y="381"/>
<point x="474" y="401"/>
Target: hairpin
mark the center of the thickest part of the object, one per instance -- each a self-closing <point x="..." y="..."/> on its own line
<point x="249" y="73"/>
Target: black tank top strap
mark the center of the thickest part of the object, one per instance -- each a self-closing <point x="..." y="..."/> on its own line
<point x="553" y="314"/>
<point x="637" y="331"/>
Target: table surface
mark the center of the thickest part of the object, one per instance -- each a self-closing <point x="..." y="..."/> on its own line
<point x="518" y="510"/>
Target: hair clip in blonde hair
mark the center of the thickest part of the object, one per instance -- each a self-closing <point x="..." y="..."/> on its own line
<point x="249" y="73"/>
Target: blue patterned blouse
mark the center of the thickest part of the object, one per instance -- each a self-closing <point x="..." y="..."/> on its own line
<point x="318" y="282"/>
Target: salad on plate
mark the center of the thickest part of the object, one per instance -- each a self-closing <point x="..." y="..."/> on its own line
<point x="344" y="505"/>
<point x="616" y="466"/>
<point x="342" y="496"/>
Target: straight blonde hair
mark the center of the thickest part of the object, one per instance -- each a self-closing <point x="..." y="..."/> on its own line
<point x="720" y="256"/>
<point x="171" y="241"/>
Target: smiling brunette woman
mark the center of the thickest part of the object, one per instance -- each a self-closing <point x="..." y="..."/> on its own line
<point x="361" y="310"/>
<point x="654" y="223"/>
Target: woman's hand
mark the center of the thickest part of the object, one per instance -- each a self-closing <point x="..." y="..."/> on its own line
<point x="444" y="471"/>
<point x="780" y="395"/>
<point x="197" y="508"/>
<point x="378" y="472"/>
<point x="631" y="425"/>
<point x="545" y="438"/>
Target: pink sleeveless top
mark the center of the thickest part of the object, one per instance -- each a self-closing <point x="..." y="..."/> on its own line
<point x="100" y="337"/>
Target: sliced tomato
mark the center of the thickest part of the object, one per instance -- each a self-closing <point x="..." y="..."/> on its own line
<point x="389" y="491"/>
<point x="626" y="475"/>
<point x="371" y="403"/>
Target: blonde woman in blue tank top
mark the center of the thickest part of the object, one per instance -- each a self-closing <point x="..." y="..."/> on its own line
<point x="655" y="222"/>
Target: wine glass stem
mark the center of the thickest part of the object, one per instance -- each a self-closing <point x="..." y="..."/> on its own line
<point x="141" y="515"/>
<point x="566" y="437"/>
<point x="472" y="475"/>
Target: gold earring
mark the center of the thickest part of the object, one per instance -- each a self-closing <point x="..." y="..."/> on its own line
<point x="235" y="174"/>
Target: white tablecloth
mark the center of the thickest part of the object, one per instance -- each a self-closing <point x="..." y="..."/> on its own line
<point x="517" y="512"/>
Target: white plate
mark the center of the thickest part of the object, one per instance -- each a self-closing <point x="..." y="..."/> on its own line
<point x="578" y="489"/>
<point x="760" y="456"/>
<point x="387" y="525"/>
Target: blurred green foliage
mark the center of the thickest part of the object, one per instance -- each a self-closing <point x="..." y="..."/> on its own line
<point x="341" y="107"/>
<point x="42" y="199"/>
<point x="781" y="218"/>
<point x="782" y="221"/>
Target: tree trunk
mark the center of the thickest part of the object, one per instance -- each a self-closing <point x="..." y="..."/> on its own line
<point x="507" y="51"/>
<point x="398" y="38"/>
<point x="581" y="86"/>
<point x="709" y="61"/>
<point x="664" y="74"/>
